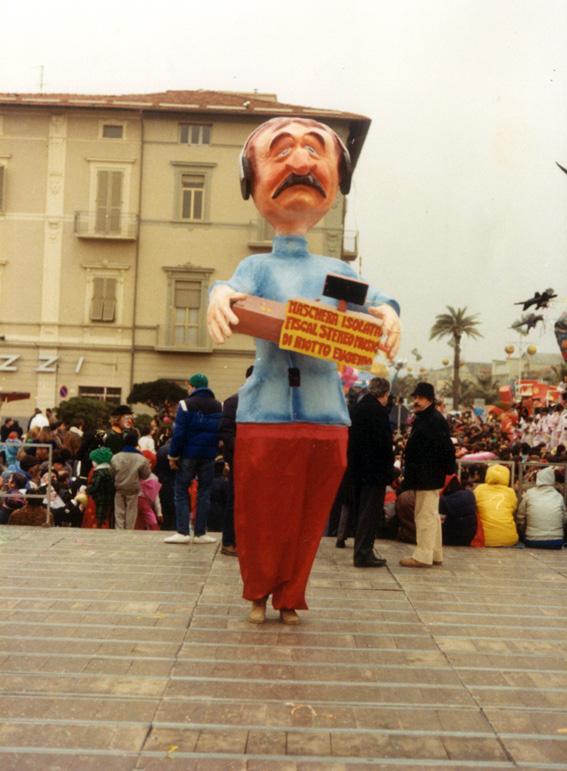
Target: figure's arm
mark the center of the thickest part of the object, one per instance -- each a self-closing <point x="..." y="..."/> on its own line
<point x="220" y="316"/>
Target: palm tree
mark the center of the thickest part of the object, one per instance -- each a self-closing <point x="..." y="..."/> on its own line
<point x="454" y="325"/>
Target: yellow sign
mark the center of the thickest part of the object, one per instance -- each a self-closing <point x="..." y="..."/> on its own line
<point x="326" y="333"/>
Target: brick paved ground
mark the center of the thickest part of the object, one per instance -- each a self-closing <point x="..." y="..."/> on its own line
<point x="119" y="652"/>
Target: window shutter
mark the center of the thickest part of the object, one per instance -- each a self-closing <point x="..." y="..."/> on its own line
<point x="109" y="299"/>
<point x="102" y="183"/>
<point x="198" y="205"/>
<point x="98" y="299"/>
<point x="108" y="201"/>
<point x="116" y="178"/>
<point x="2" y="173"/>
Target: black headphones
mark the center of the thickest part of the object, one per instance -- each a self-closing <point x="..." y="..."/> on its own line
<point x="247" y="173"/>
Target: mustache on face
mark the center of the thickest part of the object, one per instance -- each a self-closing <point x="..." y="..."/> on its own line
<point x="299" y="179"/>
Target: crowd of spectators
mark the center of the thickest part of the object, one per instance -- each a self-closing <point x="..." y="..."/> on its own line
<point x="510" y="485"/>
<point x="508" y="489"/>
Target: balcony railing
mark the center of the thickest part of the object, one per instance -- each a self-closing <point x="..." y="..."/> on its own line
<point x="108" y="225"/>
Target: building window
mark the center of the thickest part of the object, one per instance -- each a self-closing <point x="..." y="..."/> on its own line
<point x="195" y="133"/>
<point x="192" y="196"/>
<point x="103" y="303"/>
<point x="108" y="204"/>
<point x="192" y="191"/>
<point x="187" y="292"/>
<point x="2" y="186"/>
<point x="102" y="393"/>
<point x="187" y="313"/>
<point x="112" y="130"/>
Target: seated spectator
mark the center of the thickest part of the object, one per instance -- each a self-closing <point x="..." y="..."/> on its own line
<point x="541" y="514"/>
<point x="14" y="497"/>
<point x="496" y="503"/>
<point x="405" y="512"/>
<point x="457" y="507"/>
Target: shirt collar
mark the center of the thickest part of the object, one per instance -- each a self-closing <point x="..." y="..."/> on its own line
<point x="290" y="246"/>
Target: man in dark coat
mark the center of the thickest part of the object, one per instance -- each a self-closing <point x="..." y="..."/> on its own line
<point x="429" y="458"/>
<point x="227" y="435"/>
<point x="194" y="446"/>
<point x="371" y="465"/>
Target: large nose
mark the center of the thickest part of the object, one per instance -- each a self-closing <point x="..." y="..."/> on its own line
<point x="300" y="161"/>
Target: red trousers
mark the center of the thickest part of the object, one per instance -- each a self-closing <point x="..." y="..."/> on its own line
<point x="286" y="476"/>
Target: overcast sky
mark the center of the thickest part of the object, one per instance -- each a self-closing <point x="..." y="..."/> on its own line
<point x="457" y="197"/>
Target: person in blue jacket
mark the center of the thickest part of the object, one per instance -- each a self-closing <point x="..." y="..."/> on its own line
<point x="194" y="445"/>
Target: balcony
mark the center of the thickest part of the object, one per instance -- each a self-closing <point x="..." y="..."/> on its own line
<point x="350" y="246"/>
<point x="114" y="225"/>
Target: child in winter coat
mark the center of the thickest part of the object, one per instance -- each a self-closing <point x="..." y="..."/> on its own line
<point x="149" y="505"/>
<point x="129" y="468"/>
<point x="101" y="488"/>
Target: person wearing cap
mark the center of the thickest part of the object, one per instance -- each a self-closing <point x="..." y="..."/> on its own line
<point x="120" y="422"/>
<point x="194" y="446"/>
<point x="429" y="457"/>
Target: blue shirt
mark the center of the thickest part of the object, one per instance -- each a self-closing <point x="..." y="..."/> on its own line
<point x="290" y="272"/>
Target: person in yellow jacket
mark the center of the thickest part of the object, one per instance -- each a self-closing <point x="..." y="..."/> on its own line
<point x="496" y="504"/>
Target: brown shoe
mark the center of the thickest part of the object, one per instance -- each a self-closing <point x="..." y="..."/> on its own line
<point x="258" y="613"/>
<point x="289" y="617"/>
<point x="410" y="562"/>
<point x="230" y="551"/>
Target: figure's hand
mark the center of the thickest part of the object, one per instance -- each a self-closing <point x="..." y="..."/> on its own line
<point x="220" y="314"/>
<point x="391" y="328"/>
<point x="173" y="465"/>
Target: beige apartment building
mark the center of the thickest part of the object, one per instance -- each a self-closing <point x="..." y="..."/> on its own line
<point x="116" y="215"/>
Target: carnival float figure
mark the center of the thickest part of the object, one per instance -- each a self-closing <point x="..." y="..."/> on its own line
<point x="292" y="419"/>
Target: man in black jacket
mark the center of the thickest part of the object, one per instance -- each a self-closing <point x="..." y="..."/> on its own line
<point x="371" y="464"/>
<point x="429" y="457"/>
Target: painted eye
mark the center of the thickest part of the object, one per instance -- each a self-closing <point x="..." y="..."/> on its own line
<point x="284" y="153"/>
<point x="311" y="150"/>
